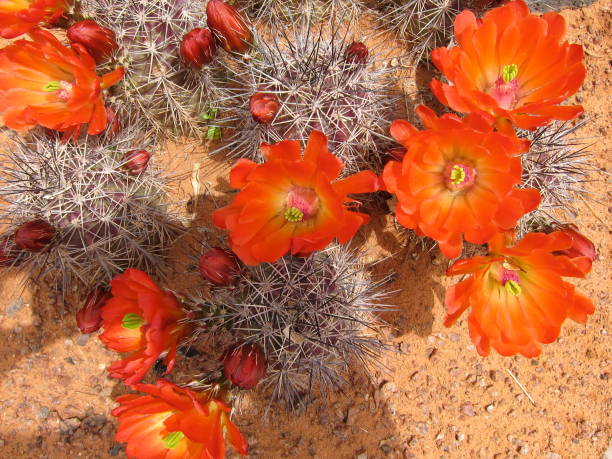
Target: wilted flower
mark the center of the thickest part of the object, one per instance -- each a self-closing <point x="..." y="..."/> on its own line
<point x="244" y="365"/>
<point x="356" y="53"/>
<point x="511" y="65"/>
<point x="292" y="202"/>
<point x="136" y="161"/>
<point x="172" y="422"/>
<point x="42" y="82"/>
<point x="34" y="235"/>
<point x="458" y="179"/>
<point x="142" y="319"/>
<point x="89" y="317"/>
<point x="113" y="122"/>
<point x="517" y="295"/>
<point x="20" y="16"/>
<point x="264" y="107"/>
<point x="581" y="245"/>
<point x="228" y="26"/>
<point x="218" y="266"/>
<point x="198" y="47"/>
<point x="99" y="41"/>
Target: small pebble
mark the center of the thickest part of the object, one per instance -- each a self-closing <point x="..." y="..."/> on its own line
<point x="82" y="340"/>
<point x="17" y="306"/>
<point x="467" y="409"/>
<point x="43" y="413"/>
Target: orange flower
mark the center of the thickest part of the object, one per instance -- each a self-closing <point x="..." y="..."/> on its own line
<point x="458" y="177"/>
<point x="43" y="82"/>
<point x="20" y="16"/>
<point x="175" y="423"/>
<point x="517" y="296"/>
<point x="291" y="203"/>
<point x="511" y="64"/>
<point x="142" y="319"/>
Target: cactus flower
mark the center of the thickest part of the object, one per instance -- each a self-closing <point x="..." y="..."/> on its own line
<point x="198" y="47"/>
<point x="175" y="423"/>
<point x="218" y="266"/>
<point x="89" y="317"/>
<point x="511" y="65"/>
<point x="244" y="365"/>
<point x="34" y="236"/>
<point x="42" y="82"/>
<point x="20" y="16"/>
<point x="228" y="26"/>
<point x="99" y="41"/>
<point x="263" y="107"/>
<point x="517" y="295"/>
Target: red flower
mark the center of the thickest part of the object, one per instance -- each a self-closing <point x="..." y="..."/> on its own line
<point x="43" y="82"/>
<point x="244" y="365"/>
<point x="581" y="245"/>
<point x="99" y="41"/>
<point x="458" y="179"/>
<point x="517" y="296"/>
<point x="263" y="107"/>
<point x="218" y="266"/>
<point x="291" y="203"/>
<point x="228" y="26"/>
<point x="175" y="423"/>
<point x="198" y="47"/>
<point x="34" y="235"/>
<point x="20" y="16"/>
<point x="136" y="161"/>
<point x="511" y="64"/>
<point x="142" y="319"/>
<point x="89" y="317"/>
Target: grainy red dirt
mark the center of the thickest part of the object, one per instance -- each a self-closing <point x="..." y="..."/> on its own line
<point x="438" y="398"/>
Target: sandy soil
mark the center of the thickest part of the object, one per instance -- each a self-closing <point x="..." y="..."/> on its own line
<point x="438" y="398"/>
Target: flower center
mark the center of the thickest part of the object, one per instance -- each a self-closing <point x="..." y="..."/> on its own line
<point x="510" y="280"/>
<point x="132" y="321"/>
<point x="459" y="176"/>
<point x="302" y="204"/>
<point x="173" y="439"/>
<point x="505" y="88"/>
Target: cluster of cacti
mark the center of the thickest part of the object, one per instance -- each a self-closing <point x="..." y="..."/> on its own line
<point x="159" y="90"/>
<point x="317" y="82"/>
<point x="315" y="319"/>
<point x="308" y="108"/>
<point x="107" y="216"/>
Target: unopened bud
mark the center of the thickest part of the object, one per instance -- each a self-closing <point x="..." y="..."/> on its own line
<point x="219" y="267"/>
<point x="244" y="365"/>
<point x="263" y="107"/>
<point x="228" y="26"/>
<point x="99" y="41"/>
<point x="356" y="53"/>
<point x="136" y="161"/>
<point x="198" y="47"/>
<point x="89" y="317"/>
<point x="34" y="235"/>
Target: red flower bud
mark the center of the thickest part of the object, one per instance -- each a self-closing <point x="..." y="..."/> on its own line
<point x="244" y="365"/>
<point x="136" y="161"/>
<point x="99" y="41"/>
<point x="89" y="317"/>
<point x="219" y="266"/>
<point x="113" y="123"/>
<point x="8" y="252"/>
<point x="228" y="26"/>
<point x="581" y="245"/>
<point x="198" y="47"/>
<point x="356" y="53"/>
<point x="34" y="236"/>
<point x="264" y="107"/>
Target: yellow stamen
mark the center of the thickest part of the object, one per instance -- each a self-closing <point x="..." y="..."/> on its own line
<point x="457" y="175"/>
<point x="513" y="287"/>
<point x="509" y="72"/>
<point x="173" y="439"/>
<point x="52" y="86"/>
<point x="293" y="215"/>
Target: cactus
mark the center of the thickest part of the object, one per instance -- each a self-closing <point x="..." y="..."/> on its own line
<point x="313" y="317"/>
<point x="158" y="88"/>
<point x="105" y="219"/>
<point x="558" y="165"/>
<point x="316" y="88"/>
<point x="423" y="24"/>
<point x="270" y="10"/>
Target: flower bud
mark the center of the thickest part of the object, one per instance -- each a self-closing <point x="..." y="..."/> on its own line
<point x="263" y="107"/>
<point x="198" y="47"/>
<point x="244" y="365"/>
<point x="356" y="53"/>
<point x="219" y="266"/>
<point x="89" y="317"/>
<point x="136" y="161"/>
<point x="99" y="41"/>
<point x="581" y="245"/>
<point x="113" y="123"/>
<point x="228" y="27"/>
<point x="8" y="252"/>
<point x="34" y="236"/>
